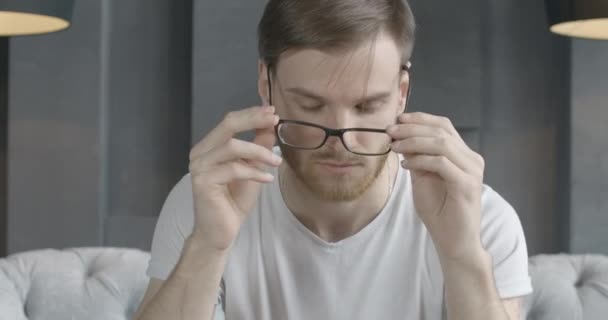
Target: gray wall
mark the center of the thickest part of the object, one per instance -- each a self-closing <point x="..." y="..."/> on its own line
<point x="148" y="113"/>
<point x="525" y="95"/>
<point x="224" y="66"/>
<point x="99" y="125"/>
<point x="589" y="198"/>
<point x="101" y="115"/>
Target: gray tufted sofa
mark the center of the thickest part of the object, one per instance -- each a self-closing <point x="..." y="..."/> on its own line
<point x="108" y="284"/>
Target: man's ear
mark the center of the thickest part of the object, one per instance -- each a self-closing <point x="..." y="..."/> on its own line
<point x="404" y="91"/>
<point x="263" y="83"/>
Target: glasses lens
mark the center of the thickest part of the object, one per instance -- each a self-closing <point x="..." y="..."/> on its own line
<point x="367" y="142"/>
<point x="301" y="136"/>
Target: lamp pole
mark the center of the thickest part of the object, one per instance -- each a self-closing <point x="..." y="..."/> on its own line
<point x="3" y="142"/>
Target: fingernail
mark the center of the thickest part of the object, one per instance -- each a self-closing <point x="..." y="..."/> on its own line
<point x="391" y="128"/>
<point x="269" y="109"/>
<point x="277" y="159"/>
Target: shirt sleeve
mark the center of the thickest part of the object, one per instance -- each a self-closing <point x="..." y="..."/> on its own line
<point x="503" y="237"/>
<point x="174" y="225"/>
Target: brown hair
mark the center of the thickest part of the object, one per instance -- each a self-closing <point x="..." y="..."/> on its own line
<point x="332" y="25"/>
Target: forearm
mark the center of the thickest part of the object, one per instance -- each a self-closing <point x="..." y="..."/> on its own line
<point x="470" y="289"/>
<point x="191" y="290"/>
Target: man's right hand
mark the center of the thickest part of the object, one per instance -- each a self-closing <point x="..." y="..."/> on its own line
<point x="227" y="174"/>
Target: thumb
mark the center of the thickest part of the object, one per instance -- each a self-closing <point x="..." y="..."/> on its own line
<point x="265" y="137"/>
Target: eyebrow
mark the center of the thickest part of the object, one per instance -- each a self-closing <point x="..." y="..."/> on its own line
<point x="309" y="94"/>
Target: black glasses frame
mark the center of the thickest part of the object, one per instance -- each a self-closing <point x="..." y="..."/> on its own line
<point x="329" y="133"/>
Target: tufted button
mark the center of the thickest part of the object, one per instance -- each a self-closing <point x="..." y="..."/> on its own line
<point x="90" y="273"/>
<point x="582" y="279"/>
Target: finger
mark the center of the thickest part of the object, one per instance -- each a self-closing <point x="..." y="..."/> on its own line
<point x="233" y="123"/>
<point x="430" y="120"/>
<point x="407" y="130"/>
<point x="237" y="170"/>
<point x="265" y="138"/>
<point x="440" y="165"/>
<point x="403" y="131"/>
<point x="438" y="146"/>
<point x="235" y="150"/>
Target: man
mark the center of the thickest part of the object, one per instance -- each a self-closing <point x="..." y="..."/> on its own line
<point x="363" y="212"/>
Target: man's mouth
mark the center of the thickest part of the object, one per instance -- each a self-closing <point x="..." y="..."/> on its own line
<point x="338" y="168"/>
<point x="338" y="164"/>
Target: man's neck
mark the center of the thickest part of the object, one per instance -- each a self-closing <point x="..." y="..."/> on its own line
<point x="333" y="221"/>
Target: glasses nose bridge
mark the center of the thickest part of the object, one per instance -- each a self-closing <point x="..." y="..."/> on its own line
<point x="338" y="133"/>
<point x="334" y="132"/>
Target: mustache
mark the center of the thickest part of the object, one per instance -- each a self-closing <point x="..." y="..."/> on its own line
<point x="337" y="156"/>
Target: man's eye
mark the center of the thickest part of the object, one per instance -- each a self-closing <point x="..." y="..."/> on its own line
<point x="367" y="108"/>
<point x="311" y="107"/>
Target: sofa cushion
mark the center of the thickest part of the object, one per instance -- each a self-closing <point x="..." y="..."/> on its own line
<point x="79" y="283"/>
<point x="568" y="287"/>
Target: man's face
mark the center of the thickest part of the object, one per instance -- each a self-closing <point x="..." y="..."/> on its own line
<point x="362" y="88"/>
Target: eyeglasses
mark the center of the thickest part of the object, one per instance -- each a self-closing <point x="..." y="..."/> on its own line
<point x="309" y="136"/>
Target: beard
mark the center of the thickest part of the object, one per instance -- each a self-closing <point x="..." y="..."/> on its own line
<point x="337" y="188"/>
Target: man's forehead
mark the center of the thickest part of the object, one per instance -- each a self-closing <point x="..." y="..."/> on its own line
<point x="376" y="62"/>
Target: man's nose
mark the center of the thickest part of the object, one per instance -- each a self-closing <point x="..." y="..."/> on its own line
<point x="338" y="121"/>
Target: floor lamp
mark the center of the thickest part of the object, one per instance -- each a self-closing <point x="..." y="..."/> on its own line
<point x="21" y="18"/>
<point x="586" y="19"/>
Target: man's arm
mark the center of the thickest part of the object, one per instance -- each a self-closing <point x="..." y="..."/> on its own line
<point x="191" y="290"/>
<point x="513" y="307"/>
<point x="226" y="176"/>
<point x="447" y="184"/>
<point x="471" y="292"/>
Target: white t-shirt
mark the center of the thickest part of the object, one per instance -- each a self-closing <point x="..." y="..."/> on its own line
<point x="278" y="269"/>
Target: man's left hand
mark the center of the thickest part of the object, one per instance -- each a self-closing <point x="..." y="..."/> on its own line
<point x="447" y="180"/>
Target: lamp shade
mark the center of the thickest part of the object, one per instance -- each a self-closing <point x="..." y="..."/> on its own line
<point x="29" y="17"/>
<point x="579" y="18"/>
